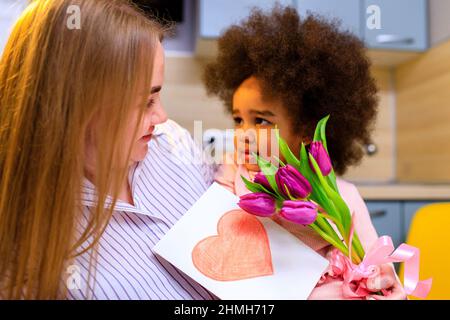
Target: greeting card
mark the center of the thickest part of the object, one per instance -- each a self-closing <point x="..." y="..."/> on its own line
<point x="237" y="255"/>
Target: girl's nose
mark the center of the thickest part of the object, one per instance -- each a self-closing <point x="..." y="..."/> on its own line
<point x="246" y="135"/>
<point x="245" y="126"/>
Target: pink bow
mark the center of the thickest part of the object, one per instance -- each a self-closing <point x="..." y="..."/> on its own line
<point x="382" y="252"/>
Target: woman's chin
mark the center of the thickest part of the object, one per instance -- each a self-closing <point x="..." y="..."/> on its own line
<point x="139" y="155"/>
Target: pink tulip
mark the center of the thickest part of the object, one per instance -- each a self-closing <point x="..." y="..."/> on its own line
<point x="259" y="203"/>
<point x="299" y="212"/>
<point x="261" y="179"/>
<point x="321" y="156"/>
<point x="290" y="178"/>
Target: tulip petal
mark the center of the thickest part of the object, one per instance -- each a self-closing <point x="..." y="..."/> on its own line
<point x="299" y="212"/>
<point x="288" y="177"/>
<point x="260" y="204"/>
<point x="318" y="151"/>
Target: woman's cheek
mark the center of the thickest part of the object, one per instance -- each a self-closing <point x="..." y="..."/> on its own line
<point x="139" y="148"/>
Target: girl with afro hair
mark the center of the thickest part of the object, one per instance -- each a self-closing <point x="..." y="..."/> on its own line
<point x="277" y="69"/>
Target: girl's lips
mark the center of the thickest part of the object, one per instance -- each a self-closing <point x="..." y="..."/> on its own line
<point x="247" y="152"/>
<point x="249" y="156"/>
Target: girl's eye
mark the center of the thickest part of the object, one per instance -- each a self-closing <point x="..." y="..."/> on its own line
<point x="237" y="120"/>
<point x="262" y="122"/>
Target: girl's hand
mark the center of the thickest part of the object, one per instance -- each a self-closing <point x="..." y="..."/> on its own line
<point x="386" y="280"/>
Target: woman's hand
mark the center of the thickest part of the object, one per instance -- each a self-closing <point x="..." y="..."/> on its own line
<point x="386" y="280"/>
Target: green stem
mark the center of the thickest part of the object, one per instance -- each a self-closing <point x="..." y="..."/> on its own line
<point x="356" y="243"/>
<point x="338" y="225"/>
<point x="327" y="228"/>
<point x="335" y="220"/>
<point x="355" y="256"/>
<point x="337" y="244"/>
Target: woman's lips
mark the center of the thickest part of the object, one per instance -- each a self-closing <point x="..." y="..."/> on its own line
<point x="148" y="137"/>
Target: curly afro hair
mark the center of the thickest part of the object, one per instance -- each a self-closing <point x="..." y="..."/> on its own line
<point x="311" y="66"/>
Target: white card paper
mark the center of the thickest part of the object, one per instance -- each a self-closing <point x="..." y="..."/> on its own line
<point x="243" y="261"/>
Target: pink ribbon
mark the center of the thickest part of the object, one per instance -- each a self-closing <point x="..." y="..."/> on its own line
<point x="382" y="252"/>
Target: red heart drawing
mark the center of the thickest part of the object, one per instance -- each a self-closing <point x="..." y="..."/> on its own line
<point x="240" y="250"/>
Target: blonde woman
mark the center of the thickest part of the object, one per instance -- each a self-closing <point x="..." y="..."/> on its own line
<point x="91" y="173"/>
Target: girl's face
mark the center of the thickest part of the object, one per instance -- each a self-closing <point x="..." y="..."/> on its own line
<point x="256" y="117"/>
<point x="154" y="113"/>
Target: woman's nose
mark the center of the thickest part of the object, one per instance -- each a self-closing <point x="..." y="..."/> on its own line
<point x="159" y="115"/>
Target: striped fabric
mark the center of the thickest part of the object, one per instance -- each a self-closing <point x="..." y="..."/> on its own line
<point x="165" y="185"/>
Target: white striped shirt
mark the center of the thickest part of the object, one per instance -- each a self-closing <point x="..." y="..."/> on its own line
<point x="164" y="186"/>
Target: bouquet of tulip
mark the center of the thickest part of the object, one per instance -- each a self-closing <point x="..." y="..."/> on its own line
<point x="304" y="191"/>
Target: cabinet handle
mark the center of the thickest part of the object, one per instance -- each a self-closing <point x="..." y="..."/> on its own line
<point x="371" y="149"/>
<point x="392" y="38"/>
<point x="377" y="213"/>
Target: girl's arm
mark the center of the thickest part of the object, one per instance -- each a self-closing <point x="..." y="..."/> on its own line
<point x="361" y="217"/>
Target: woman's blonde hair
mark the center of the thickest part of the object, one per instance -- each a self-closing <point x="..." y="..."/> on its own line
<point x="60" y="89"/>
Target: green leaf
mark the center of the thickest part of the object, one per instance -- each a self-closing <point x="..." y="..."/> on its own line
<point x="318" y="194"/>
<point x="304" y="166"/>
<point x="256" y="187"/>
<point x="269" y="170"/>
<point x="337" y="200"/>
<point x="286" y="152"/>
<point x="331" y="178"/>
<point x="304" y="156"/>
<point x="326" y="193"/>
<point x="320" y="134"/>
<point x="320" y="197"/>
<point x="279" y="161"/>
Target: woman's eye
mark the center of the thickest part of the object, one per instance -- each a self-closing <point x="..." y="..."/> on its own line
<point x="150" y="103"/>
<point x="237" y="120"/>
<point x="262" y="122"/>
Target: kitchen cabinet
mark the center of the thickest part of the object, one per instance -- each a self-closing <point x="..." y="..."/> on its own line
<point x="403" y="24"/>
<point x="387" y="219"/>
<point x="217" y="15"/>
<point x="400" y="25"/>
<point x="348" y="11"/>
<point x="393" y="218"/>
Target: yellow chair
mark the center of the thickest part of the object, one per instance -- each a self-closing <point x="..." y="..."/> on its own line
<point x="430" y="232"/>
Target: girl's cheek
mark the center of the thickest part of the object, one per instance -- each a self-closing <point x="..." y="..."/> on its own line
<point x="264" y="141"/>
<point x="235" y="154"/>
<point x="238" y="146"/>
